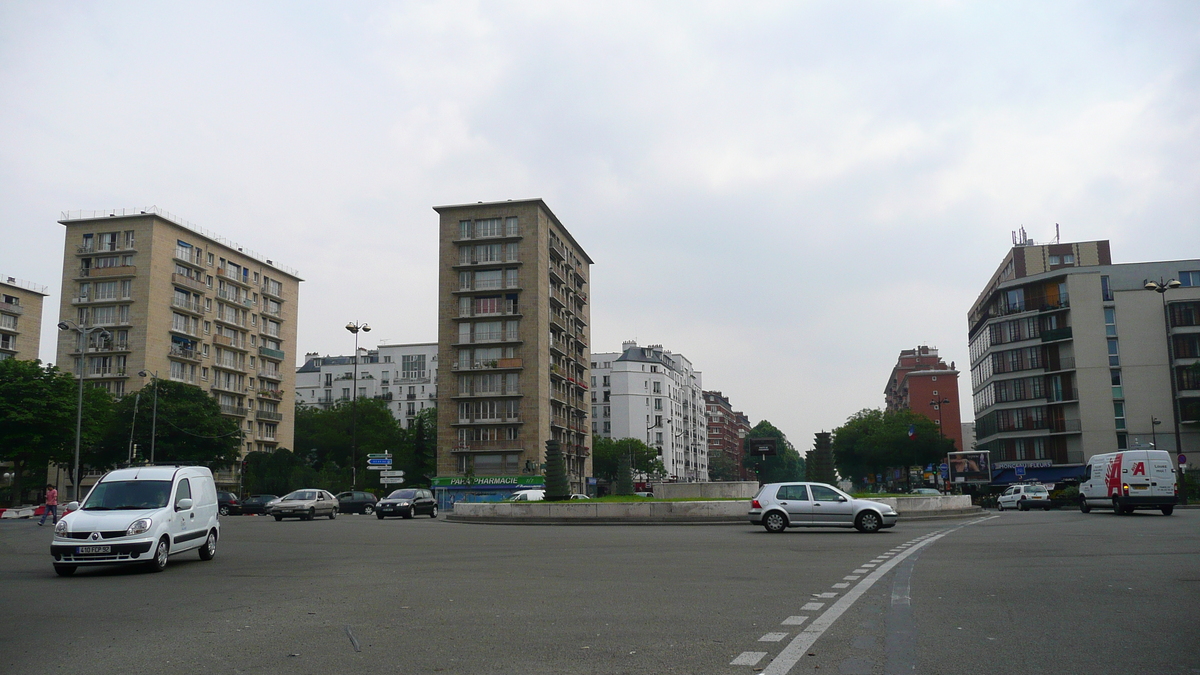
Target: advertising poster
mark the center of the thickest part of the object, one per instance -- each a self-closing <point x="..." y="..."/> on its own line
<point x="970" y="467"/>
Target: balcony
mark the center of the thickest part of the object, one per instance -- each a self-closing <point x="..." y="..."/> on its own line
<point x="267" y="290"/>
<point x="233" y="410"/>
<point x="117" y="271"/>
<point x="273" y="313"/>
<point x="1067" y="426"/>
<point x="483" y="446"/>
<point x="1056" y="334"/>
<point x="107" y="347"/>
<point x="557" y="251"/>
<point x="268" y="415"/>
<point x="474" y="419"/>
<point x="229" y="366"/>
<point x="104" y="371"/>
<point x="179" y="352"/>
<point x="509" y="309"/>
<point x="188" y="282"/>
<point x="411" y="376"/>
<point x="226" y="341"/>
<point x="490" y="336"/>
<point x="496" y="364"/>
<point x="189" y="255"/>
<point x="229" y="275"/>
<point x="229" y="388"/>
<point x="556" y="275"/>
<point x="192" y="306"/>
<point x="11" y="308"/>
<point x="273" y="394"/>
<point x="271" y="353"/>
<point x="271" y="374"/>
<point x="1064" y="363"/>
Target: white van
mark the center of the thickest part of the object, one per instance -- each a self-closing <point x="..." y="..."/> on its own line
<point x="140" y="516"/>
<point x="1128" y="480"/>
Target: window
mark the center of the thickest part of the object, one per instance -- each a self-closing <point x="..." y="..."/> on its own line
<point x="1119" y="413"/>
<point x="1110" y="321"/>
<point x="1068" y="259"/>
<point x="1054" y="260"/>
<point x="1105" y="289"/>
<point x="1114" y="357"/>
<point x="1191" y="278"/>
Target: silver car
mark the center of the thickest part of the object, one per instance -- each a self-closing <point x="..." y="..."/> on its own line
<point x="305" y="504"/>
<point x="778" y="506"/>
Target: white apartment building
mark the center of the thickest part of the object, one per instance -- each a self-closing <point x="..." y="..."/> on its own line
<point x="654" y="395"/>
<point x="403" y="375"/>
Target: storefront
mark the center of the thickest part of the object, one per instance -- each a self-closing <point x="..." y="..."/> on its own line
<point x="450" y="490"/>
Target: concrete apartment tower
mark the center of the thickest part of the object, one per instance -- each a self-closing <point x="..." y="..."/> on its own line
<point x="1072" y="355"/>
<point x="189" y="305"/>
<point x="20" y="318"/>
<point x="922" y="382"/>
<point x="513" y="360"/>
<point x="726" y="429"/>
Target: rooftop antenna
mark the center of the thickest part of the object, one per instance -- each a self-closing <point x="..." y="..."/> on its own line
<point x="1056" y="233"/>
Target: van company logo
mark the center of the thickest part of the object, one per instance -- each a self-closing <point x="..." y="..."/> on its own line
<point x="95" y="536"/>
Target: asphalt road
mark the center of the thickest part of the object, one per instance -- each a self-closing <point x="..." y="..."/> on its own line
<point x="1036" y="592"/>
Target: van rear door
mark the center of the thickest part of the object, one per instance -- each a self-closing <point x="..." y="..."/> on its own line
<point x="1162" y="478"/>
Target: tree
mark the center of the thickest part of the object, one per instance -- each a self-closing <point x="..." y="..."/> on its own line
<point x="326" y="439"/>
<point x="819" y="464"/>
<point x="420" y="440"/>
<point x="722" y="467"/>
<point x="558" y="486"/>
<point x="187" y="428"/>
<point x="872" y="441"/>
<point x="643" y="459"/>
<point x="38" y="406"/>
<point x="277" y="473"/>
<point x="786" y="465"/>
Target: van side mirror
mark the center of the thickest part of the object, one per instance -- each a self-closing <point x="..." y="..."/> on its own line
<point x="73" y="506"/>
<point x="183" y="504"/>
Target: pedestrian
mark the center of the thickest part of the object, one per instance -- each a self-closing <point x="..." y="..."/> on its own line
<point x="51" y="506"/>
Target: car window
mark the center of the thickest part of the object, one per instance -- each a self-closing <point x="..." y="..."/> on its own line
<point x="796" y="493"/>
<point x="403" y="494"/>
<point x="821" y="493"/>
<point x="1035" y="488"/>
<point x="184" y="491"/>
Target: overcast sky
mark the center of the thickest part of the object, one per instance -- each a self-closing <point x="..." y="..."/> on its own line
<point x="786" y="193"/>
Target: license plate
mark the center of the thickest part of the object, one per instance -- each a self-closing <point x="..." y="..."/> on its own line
<point x="1139" y="487"/>
<point x="93" y="549"/>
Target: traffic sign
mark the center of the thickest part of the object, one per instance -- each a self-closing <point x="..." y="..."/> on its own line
<point x="379" y="461"/>
<point x="1182" y="458"/>
<point x="392" y="474"/>
<point x="390" y="480"/>
<point x="944" y="469"/>
<point x="1019" y="471"/>
<point x="380" y="455"/>
<point x="385" y="467"/>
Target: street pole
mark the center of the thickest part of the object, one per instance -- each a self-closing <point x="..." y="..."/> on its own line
<point x="154" y="412"/>
<point x="355" y="328"/>
<point x="1161" y="287"/>
<point x="83" y="332"/>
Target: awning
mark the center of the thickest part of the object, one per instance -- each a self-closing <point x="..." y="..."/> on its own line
<point x="1049" y="474"/>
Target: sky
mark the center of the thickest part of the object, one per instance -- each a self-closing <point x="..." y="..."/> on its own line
<point x="786" y="193"/>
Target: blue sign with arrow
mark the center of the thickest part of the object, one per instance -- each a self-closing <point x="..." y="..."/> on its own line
<point x="378" y="462"/>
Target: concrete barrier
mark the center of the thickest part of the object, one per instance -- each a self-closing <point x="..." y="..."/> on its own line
<point x="925" y="504"/>
<point x="701" y="491"/>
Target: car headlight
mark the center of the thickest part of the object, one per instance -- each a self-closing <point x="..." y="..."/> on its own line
<point x="403" y="503"/>
<point x="61" y="529"/>
<point x="139" y="526"/>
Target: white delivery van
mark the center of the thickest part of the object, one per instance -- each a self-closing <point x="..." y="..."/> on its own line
<point x="1128" y="480"/>
<point x="140" y="516"/>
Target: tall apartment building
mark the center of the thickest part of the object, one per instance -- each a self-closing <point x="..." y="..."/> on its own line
<point x="513" y="359"/>
<point x="405" y="376"/>
<point x="188" y="305"/>
<point x="20" y="318"/>
<point x="1071" y="355"/>
<point x="726" y="429"/>
<point x="654" y="395"/>
<point x="922" y="382"/>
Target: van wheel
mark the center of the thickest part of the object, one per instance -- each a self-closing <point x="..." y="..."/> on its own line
<point x="1022" y="506"/>
<point x="209" y="549"/>
<point x="774" y="522"/>
<point x="433" y="513"/>
<point x="1084" y="506"/>
<point x="868" y="521"/>
<point x="159" y="563"/>
<point x="1046" y="508"/>
<point x="1117" y="510"/>
<point x="64" y="570"/>
<point x="1168" y="510"/>
<point x="278" y="518"/>
<point x="999" y="506"/>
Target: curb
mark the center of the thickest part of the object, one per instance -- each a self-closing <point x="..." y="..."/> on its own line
<point x="504" y="520"/>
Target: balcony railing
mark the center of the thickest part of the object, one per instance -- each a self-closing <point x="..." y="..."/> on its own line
<point x="475" y="446"/>
<point x="271" y="353"/>
<point x="1056" y="334"/>
<point x="411" y="376"/>
<point x="268" y="415"/>
<point x="233" y="410"/>
<point x="1064" y="426"/>
<point x="11" y="308"/>
<point x="276" y="394"/>
<point x="1064" y="363"/>
<point x="188" y="282"/>
<point x="232" y="276"/>
<point x="271" y="374"/>
<point x="478" y="419"/>
<point x="117" y="271"/>
<point x="183" y="353"/>
<point x="193" y="306"/>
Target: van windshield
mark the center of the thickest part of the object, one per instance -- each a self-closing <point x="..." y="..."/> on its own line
<point x="128" y="494"/>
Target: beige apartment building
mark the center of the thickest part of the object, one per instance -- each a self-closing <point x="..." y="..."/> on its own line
<point x="20" y="318"/>
<point x="188" y="305"/>
<point x="513" y="356"/>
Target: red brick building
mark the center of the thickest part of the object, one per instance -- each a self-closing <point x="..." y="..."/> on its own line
<point x="726" y="427"/>
<point x="922" y="382"/>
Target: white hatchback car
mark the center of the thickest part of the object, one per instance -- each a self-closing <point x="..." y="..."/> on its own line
<point x="139" y="516"/>
<point x="1024" y="497"/>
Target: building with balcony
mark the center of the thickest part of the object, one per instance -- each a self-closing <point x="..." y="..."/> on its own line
<point x="922" y="382"/>
<point x="726" y="429"/>
<point x="403" y="376"/>
<point x="654" y="395"/>
<point x="186" y="304"/>
<point x="1072" y="356"/>
<point x="20" y="318"/>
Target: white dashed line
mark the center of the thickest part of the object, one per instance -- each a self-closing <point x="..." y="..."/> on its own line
<point x="748" y="659"/>
<point x="870" y="565"/>
<point x="812" y="606"/>
<point x="773" y="637"/>
<point x="852" y="577"/>
<point x="843" y="584"/>
<point x="794" y="620"/>
<point x="861" y="571"/>
<point x="825" y="595"/>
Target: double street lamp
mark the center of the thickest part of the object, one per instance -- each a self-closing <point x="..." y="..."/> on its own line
<point x="84" y="332"/>
<point x="1161" y="287"/>
<point x="154" y="413"/>
<point x="355" y="328"/>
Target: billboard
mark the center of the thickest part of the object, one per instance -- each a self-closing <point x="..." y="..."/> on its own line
<point x="971" y="466"/>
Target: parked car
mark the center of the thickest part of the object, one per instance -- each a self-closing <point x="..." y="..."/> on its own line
<point x="140" y="516"/>
<point x="357" y="502"/>
<point x="1024" y="497"/>
<point x="527" y="496"/>
<point x="926" y="491"/>
<point x="644" y="494"/>
<point x="255" y="504"/>
<point x="580" y="496"/>
<point x="407" y="503"/>
<point x="305" y="504"/>
<point x="228" y="504"/>
<point x="778" y="506"/>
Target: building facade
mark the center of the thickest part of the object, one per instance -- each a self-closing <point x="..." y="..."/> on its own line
<point x="657" y="396"/>
<point x="182" y="304"/>
<point x="922" y="382"/>
<point x="513" y="357"/>
<point x="1072" y="355"/>
<point x="20" y="318"/>
<point x="404" y="376"/>
<point x="726" y="428"/>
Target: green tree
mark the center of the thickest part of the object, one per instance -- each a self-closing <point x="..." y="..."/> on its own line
<point x="187" y="428"/>
<point x="872" y="441"/>
<point x="819" y="463"/>
<point x="277" y="473"/>
<point x="643" y="459"/>
<point x="326" y="439"/>
<point x="38" y="407"/>
<point x="558" y="486"/>
<point x="420" y="441"/>
<point x="722" y="467"/>
<point x="785" y="465"/>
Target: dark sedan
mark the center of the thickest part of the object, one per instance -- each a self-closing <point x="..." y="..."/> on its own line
<point x="407" y="503"/>
<point x="228" y="504"/>
<point x="356" y="502"/>
<point x="256" y="504"/>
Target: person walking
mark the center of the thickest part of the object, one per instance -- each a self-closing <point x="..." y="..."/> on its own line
<point x="51" y="506"/>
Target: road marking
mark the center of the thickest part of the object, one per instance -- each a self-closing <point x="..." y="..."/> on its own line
<point x="824" y="595"/>
<point x="843" y="584"/>
<point x="773" y="637"/>
<point x="852" y="577"/>
<point x="861" y="571"/>
<point x="748" y="659"/>
<point x="812" y="606"/>
<point x="798" y="647"/>
<point x="794" y="620"/>
<point x="870" y="565"/>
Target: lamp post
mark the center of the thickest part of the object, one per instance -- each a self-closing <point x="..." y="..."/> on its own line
<point x="154" y="412"/>
<point x="1154" y="422"/>
<point x="937" y="405"/>
<point x="83" y="332"/>
<point x="1161" y="287"/>
<point x="355" y="328"/>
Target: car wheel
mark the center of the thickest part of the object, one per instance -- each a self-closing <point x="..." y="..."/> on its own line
<point x="368" y="510"/>
<point x="868" y="521"/>
<point x="209" y="550"/>
<point x="312" y="514"/>
<point x="1084" y="506"/>
<point x="161" y="552"/>
<point x="379" y="516"/>
<point x="64" y="570"/>
<point x="278" y="518"/>
<point x="774" y="522"/>
<point x="1022" y="506"/>
<point x="333" y="514"/>
<point x="1168" y="510"/>
<point x="407" y="514"/>
<point x="224" y="510"/>
<point x="433" y="513"/>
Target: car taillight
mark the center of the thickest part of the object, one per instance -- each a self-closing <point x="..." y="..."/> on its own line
<point x="755" y="505"/>
<point x="1125" y="489"/>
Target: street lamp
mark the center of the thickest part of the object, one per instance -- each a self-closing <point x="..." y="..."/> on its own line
<point x="1161" y="287"/>
<point x="154" y="414"/>
<point x="937" y="405"/>
<point x="355" y="328"/>
<point x="83" y="331"/>
<point x="1154" y="422"/>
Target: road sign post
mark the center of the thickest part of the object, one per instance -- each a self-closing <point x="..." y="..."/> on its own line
<point x="391" y="480"/>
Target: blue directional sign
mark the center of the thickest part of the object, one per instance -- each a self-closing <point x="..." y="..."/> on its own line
<point x="1020" y="471"/>
<point x="379" y="462"/>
